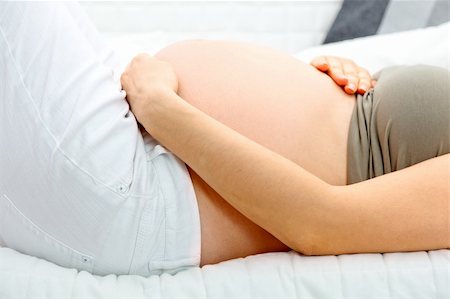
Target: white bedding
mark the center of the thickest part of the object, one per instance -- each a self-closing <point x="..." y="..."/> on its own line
<point x="274" y="275"/>
<point x="421" y="46"/>
<point x="416" y="275"/>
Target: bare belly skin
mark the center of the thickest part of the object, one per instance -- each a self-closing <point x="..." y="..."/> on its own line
<point x="273" y="99"/>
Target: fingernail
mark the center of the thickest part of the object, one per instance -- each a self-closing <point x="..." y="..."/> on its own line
<point x="323" y="66"/>
<point x="363" y="87"/>
<point x="351" y="87"/>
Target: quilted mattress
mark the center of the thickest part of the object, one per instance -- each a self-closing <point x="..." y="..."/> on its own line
<point x="417" y="275"/>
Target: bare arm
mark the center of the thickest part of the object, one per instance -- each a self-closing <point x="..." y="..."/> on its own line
<point x="403" y="211"/>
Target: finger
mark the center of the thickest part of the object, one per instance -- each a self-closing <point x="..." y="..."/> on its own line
<point x="351" y="88"/>
<point x="336" y="72"/>
<point x="364" y="85"/>
<point x="364" y="81"/>
<point x="321" y="63"/>
<point x="124" y="79"/>
<point x="350" y="71"/>
<point x="374" y="82"/>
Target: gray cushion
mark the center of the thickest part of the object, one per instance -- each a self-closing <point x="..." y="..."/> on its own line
<point x="358" y="18"/>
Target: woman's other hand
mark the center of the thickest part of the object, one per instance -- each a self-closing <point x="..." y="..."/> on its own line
<point x="353" y="78"/>
<point x="147" y="80"/>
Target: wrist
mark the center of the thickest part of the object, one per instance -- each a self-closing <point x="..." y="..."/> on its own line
<point x="160" y="110"/>
<point x="151" y="102"/>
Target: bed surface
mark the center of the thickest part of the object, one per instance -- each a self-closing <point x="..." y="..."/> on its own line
<point x="417" y="275"/>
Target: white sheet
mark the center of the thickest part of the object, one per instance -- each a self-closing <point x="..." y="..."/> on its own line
<point x="272" y="275"/>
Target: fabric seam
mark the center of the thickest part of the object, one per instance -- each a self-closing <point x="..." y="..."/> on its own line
<point x="24" y="217"/>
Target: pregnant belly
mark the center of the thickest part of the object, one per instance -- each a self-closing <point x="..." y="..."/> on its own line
<point x="273" y="99"/>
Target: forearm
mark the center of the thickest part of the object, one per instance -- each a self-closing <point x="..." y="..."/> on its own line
<point x="385" y="214"/>
<point x="270" y="190"/>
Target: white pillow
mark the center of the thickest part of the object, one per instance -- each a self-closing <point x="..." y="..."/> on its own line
<point x="421" y="46"/>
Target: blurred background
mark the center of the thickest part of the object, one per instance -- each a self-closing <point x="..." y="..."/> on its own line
<point x="285" y="25"/>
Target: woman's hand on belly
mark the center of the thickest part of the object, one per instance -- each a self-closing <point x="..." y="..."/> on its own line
<point x="346" y="73"/>
<point x="148" y="81"/>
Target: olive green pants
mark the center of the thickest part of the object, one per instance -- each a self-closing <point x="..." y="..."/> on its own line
<point x="404" y="120"/>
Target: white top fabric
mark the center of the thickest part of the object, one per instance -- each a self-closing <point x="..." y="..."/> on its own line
<point x="80" y="186"/>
